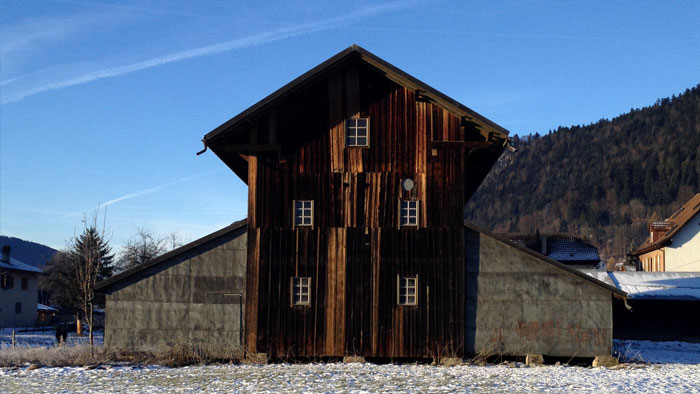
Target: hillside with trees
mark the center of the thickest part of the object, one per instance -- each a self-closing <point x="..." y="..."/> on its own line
<point x="602" y="181"/>
<point x="28" y="252"/>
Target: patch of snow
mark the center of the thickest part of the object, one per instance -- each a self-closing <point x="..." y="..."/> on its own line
<point x="30" y="337"/>
<point x="652" y="285"/>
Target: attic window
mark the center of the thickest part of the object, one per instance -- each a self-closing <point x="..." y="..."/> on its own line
<point x="408" y="213"/>
<point x="357" y="132"/>
<point x="303" y="212"/>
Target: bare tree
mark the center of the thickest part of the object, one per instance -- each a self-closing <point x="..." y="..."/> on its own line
<point x="92" y="261"/>
<point x="145" y="246"/>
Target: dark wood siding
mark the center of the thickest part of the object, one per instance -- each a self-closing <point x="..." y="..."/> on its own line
<point x="355" y="249"/>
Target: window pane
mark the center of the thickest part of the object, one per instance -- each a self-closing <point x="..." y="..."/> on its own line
<point x="362" y="122"/>
<point x="362" y="141"/>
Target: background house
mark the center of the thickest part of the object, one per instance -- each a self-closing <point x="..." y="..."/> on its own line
<point x="673" y="244"/>
<point x="19" y="292"/>
<point x="358" y="175"/>
<point x="565" y="248"/>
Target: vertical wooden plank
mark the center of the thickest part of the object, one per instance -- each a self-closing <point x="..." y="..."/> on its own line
<point x="330" y="291"/>
<point x="374" y="317"/>
<point x="445" y="124"/>
<point x="252" y="189"/>
<point x="252" y="277"/>
<point x="336" y="119"/>
<point x="340" y="305"/>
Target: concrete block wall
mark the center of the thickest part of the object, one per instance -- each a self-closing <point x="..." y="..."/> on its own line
<point x="197" y="301"/>
<point x="519" y="304"/>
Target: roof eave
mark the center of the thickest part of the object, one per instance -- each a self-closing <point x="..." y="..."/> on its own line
<point x="392" y="72"/>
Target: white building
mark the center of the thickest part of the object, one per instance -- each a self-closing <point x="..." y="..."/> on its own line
<point x="19" y="291"/>
<point x="673" y="244"/>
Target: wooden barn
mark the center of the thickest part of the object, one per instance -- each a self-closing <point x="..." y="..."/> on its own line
<point x="358" y="177"/>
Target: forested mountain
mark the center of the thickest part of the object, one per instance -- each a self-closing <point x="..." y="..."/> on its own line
<point x="28" y="252"/>
<point x="602" y="181"/>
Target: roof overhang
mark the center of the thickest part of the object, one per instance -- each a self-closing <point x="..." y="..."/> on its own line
<point x="495" y="136"/>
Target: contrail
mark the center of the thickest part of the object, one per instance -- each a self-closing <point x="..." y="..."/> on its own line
<point x="154" y="189"/>
<point x="241" y="43"/>
<point x="144" y="192"/>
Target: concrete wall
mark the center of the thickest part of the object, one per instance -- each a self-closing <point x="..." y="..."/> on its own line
<point x="684" y="253"/>
<point x="28" y="298"/>
<point x="197" y="299"/>
<point x="519" y="304"/>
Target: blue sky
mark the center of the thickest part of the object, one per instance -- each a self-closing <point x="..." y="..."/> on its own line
<point x="105" y="103"/>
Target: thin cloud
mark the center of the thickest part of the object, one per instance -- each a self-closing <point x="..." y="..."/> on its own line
<point x="241" y="43"/>
<point x="155" y="188"/>
<point x="144" y="192"/>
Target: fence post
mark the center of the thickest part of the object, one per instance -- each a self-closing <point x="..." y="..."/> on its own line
<point x="13" y="339"/>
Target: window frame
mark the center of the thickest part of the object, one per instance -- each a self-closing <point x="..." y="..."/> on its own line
<point x="302" y="217"/>
<point x="7" y="281"/>
<point x="402" y="283"/>
<point x="297" y="299"/>
<point x="356" y="128"/>
<point x="408" y="217"/>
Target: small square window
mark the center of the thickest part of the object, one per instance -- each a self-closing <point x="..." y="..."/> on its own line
<point x="408" y="213"/>
<point x="303" y="213"/>
<point x="301" y="291"/>
<point x="18" y="307"/>
<point x="357" y="132"/>
<point x="25" y="283"/>
<point x="408" y="290"/>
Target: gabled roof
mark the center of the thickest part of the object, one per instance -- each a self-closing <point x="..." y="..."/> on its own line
<point x="17" y="265"/>
<point x="547" y="260"/>
<point x="674" y="223"/>
<point x="391" y="72"/>
<point x="560" y="246"/>
<point x="106" y="285"/>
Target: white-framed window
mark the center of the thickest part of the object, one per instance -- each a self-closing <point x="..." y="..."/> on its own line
<point x="357" y="132"/>
<point x="303" y="212"/>
<point x="408" y="213"/>
<point x="407" y="290"/>
<point x="301" y="290"/>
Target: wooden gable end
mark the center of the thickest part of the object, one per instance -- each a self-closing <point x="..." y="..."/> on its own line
<point x="296" y="150"/>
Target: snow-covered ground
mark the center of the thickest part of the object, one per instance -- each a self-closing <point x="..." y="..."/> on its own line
<point x="678" y="371"/>
<point x="664" y="378"/>
<point x="25" y="337"/>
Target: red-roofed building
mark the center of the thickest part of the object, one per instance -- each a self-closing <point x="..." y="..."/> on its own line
<point x="673" y="244"/>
